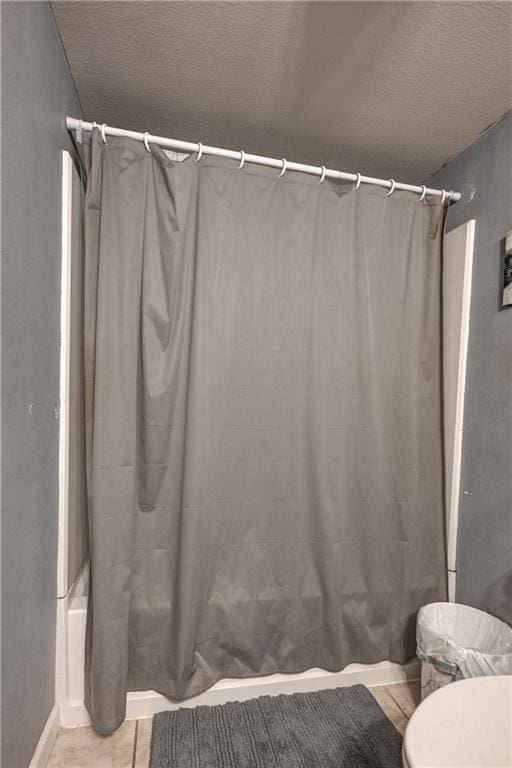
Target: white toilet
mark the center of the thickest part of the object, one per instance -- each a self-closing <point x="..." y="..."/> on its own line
<point x="467" y="724"/>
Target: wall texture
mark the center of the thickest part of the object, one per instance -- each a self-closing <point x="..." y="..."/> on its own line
<point x="483" y="173"/>
<point x="37" y="92"/>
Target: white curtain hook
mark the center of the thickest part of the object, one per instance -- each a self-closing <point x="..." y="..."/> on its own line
<point x="423" y="193"/>
<point x="199" y="152"/>
<point x="242" y="159"/>
<point x="146" y="143"/>
<point x="103" y="136"/>
<point x="322" y="177"/>
<point x="393" y="185"/>
<point x="358" y="182"/>
<point x="284" y="168"/>
<point x="443" y="197"/>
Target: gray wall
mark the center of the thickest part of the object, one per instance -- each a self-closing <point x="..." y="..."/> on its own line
<point x="483" y="173"/>
<point x="37" y="93"/>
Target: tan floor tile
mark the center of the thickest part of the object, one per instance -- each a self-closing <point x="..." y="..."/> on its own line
<point x="143" y="743"/>
<point x="390" y="707"/>
<point x="83" y="748"/>
<point x="406" y="695"/>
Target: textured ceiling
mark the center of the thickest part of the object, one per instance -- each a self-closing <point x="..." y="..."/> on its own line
<point x="385" y="88"/>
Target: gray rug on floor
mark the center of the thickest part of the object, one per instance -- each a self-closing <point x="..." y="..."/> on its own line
<point x="339" y="728"/>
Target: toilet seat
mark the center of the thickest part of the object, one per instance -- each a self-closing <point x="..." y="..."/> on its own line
<point x="467" y="724"/>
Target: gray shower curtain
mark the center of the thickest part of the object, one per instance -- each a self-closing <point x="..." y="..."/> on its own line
<point x="264" y="431"/>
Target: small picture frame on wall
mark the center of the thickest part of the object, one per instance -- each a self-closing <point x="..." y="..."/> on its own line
<point x="506" y="300"/>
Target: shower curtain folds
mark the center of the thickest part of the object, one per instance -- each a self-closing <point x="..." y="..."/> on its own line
<point x="264" y="436"/>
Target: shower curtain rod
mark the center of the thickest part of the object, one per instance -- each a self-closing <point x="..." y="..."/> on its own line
<point x="284" y="165"/>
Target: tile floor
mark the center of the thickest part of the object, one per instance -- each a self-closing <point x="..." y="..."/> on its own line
<point x="128" y="747"/>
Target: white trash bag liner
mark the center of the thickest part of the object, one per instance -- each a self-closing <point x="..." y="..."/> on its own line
<point x="455" y="641"/>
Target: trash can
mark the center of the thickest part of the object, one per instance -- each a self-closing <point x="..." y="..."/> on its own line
<point x="455" y="641"/>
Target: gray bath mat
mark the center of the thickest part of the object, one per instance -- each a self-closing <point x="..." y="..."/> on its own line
<point x="339" y="728"/>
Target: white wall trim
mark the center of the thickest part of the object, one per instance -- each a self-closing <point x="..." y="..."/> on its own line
<point x="147" y="703"/>
<point x="65" y="342"/>
<point x="468" y="231"/>
<point x="47" y="740"/>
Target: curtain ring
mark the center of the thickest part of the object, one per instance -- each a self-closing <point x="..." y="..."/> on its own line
<point x="393" y="185"/>
<point x="358" y="182"/>
<point x="242" y="159"/>
<point x="284" y="168"/>
<point x="146" y="143"/>
<point x="322" y="177"/>
<point x="443" y="197"/>
<point x="103" y="136"/>
<point x="94" y="125"/>
<point x="199" y="152"/>
<point x="423" y="193"/>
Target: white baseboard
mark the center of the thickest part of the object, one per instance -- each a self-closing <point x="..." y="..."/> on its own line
<point x="47" y="740"/>
<point x="147" y="703"/>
